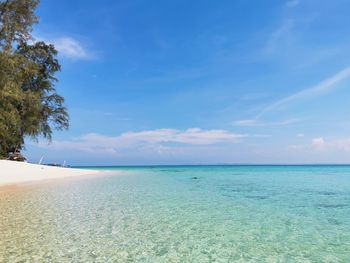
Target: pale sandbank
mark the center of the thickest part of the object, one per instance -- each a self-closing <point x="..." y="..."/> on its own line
<point x="12" y="172"/>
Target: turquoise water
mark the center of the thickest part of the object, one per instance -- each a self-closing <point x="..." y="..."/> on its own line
<point x="163" y="214"/>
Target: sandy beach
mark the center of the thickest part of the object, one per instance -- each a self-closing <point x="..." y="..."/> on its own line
<point x="12" y="172"/>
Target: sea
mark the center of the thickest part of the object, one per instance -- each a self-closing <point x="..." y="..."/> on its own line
<point x="222" y="213"/>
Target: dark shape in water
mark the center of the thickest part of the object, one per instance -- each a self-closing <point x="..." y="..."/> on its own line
<point x="326" y="193"/>
<point x="331" y="205"/>
<point x="258" y="197"/>
<point x="246" y="190"/>
<point x="237" y="190"/>
<point x="334" y="221"/>
<point x="194" y="177"/>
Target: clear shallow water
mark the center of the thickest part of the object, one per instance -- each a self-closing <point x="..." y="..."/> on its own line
<point x="162" y="214"/>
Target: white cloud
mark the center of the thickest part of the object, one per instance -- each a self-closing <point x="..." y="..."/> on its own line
<point x="156" y="141"/>
<point x="318" y="142"/>
<point x="68" y="47"/>
<point x="189" y="136"/>
<point x="71" y="48"/>
<point x="323" y="87"/>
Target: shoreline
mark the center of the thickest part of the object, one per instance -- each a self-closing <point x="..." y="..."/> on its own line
<point x="20" y="173"/>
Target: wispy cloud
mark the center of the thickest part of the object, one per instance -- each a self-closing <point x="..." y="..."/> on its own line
<point x="152" y="140"/>
<point x="323" y="87"/>
<point x="281" y="38"/>
<point x="69" y="47"/>
<point x="190" y="136"/>
<point x="288" y="42"/>
<point x="256" y="122"/>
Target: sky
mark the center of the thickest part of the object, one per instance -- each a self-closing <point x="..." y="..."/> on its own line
<point x="200" y="82"/>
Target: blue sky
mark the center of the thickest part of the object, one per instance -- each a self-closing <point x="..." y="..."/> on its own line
<point x="194" y="82"/>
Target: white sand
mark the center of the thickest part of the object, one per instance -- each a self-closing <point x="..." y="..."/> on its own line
<point x="12" y="172"/>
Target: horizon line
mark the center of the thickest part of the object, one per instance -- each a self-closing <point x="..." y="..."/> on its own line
<point x="237" y="164"/>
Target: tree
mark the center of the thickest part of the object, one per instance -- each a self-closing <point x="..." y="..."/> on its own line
<point x="16" y="21"/>
<point x="10" y="96"/>
<point x="29" y="103"/>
